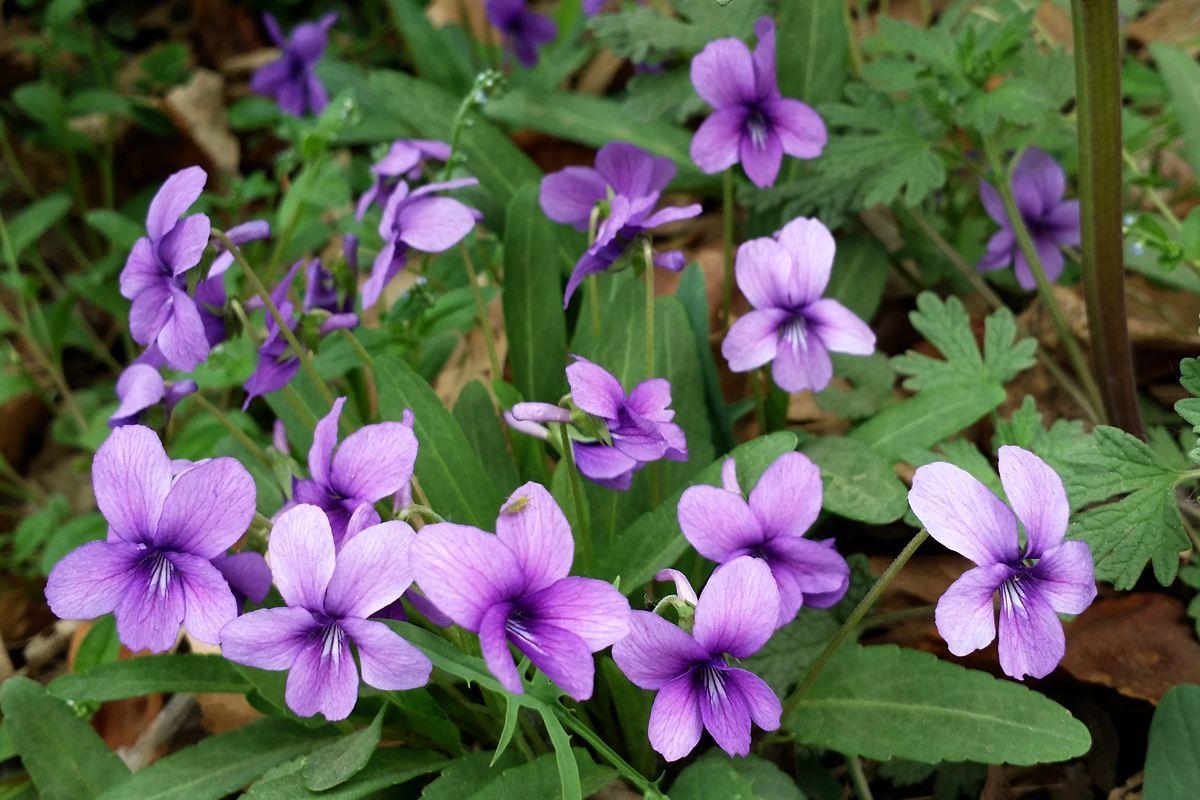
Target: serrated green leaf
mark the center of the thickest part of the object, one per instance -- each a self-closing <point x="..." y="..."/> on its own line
<point x="134" y="677"/>
<point x="1025" y="429"/>
<point x="643" y="34"/>
<point x="1141" y="523"/>
<point x="868" y="701"/>
<point x="901" y="166"/>
<point x="859" y="483"/>
<point x="871" y="378"/>
<point x="65" y="757"/>
<point x="1173" y="752"/>
<point x="718" y="777"/>
<point x="946" y="326"/>
<point x="220" y="764"/>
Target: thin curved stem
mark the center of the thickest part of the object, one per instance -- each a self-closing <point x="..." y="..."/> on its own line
<point x="26" y="331"/>
<point x="481" y="312"/>
<point x="239" y="434"/>
<point x="306" y="360"/>
<point x="1075" y="353"/>
<point x="858" y="778"/>
<point x="648" y="255"/>
<point x="852" y="621"/>
<point x="727" y="220"/>
<point x="988" y="294"/>
<point x="585" y="532"/>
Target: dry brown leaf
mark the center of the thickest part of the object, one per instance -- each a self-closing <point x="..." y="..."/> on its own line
<point x="198" y="109"/>
<point x="221" y="712"/>
<point x="1139" y="644"/>
<point x="1173" y="21"/>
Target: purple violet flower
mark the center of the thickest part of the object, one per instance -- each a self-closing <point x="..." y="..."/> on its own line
<point x="292" y="79"/>
<point x="1037" y="582"/>
<point x="320" y="294"/>
<point x="638" y="427"/>
<point x="155" y="274"/>
<point x="513" y="588"/>
<point x="420" y="220"/>
<point x="697" y="687"/>
<point x="626" y="185"/>
<point x="639" y="424"/>
<point x="751" y="122"/>
<point x="792" y="325"/>
<point x="253" y="231"/>
<point x="247" y="574"/>
<point x="524" y="31"/>
<point x="372" y="463"/>
<point x="784" y="504"/>
<point x="1038" y="185"/>
<point x="277" y="364"/>
<point x="141" y="387"/>
<point x="402" y="161"/>
<point x="155" y="570"/>
<point x="330" y="595"/>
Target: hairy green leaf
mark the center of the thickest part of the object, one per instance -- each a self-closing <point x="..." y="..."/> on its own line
<point x="169" y="672"/>
<point x="1173" y="753"/>
<point x="65" y="757"/>
<point x="868" y="701"/>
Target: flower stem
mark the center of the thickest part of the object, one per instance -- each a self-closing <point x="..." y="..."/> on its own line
<point x="239" y="434"/>
<point x="607" y="753"/>
<point x="727" y="219"/>
<point x="1098" y="116"/>
<point x="648" y="254"/>
<point x="852" y="621"/>
<point x="25" y="330"/>
<point x="481" y="311"/>
<point x="976" y="280"/>
<point x="585" y="532"/>
<point x="368" y="370"/>
<point x="858" y="778"/>
<point x="302" y="353"/>
<point x="1074" y="353"/>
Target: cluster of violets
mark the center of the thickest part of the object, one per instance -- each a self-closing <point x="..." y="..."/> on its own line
<point x="178" y="552"/>
<point x="167" y="563"/>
